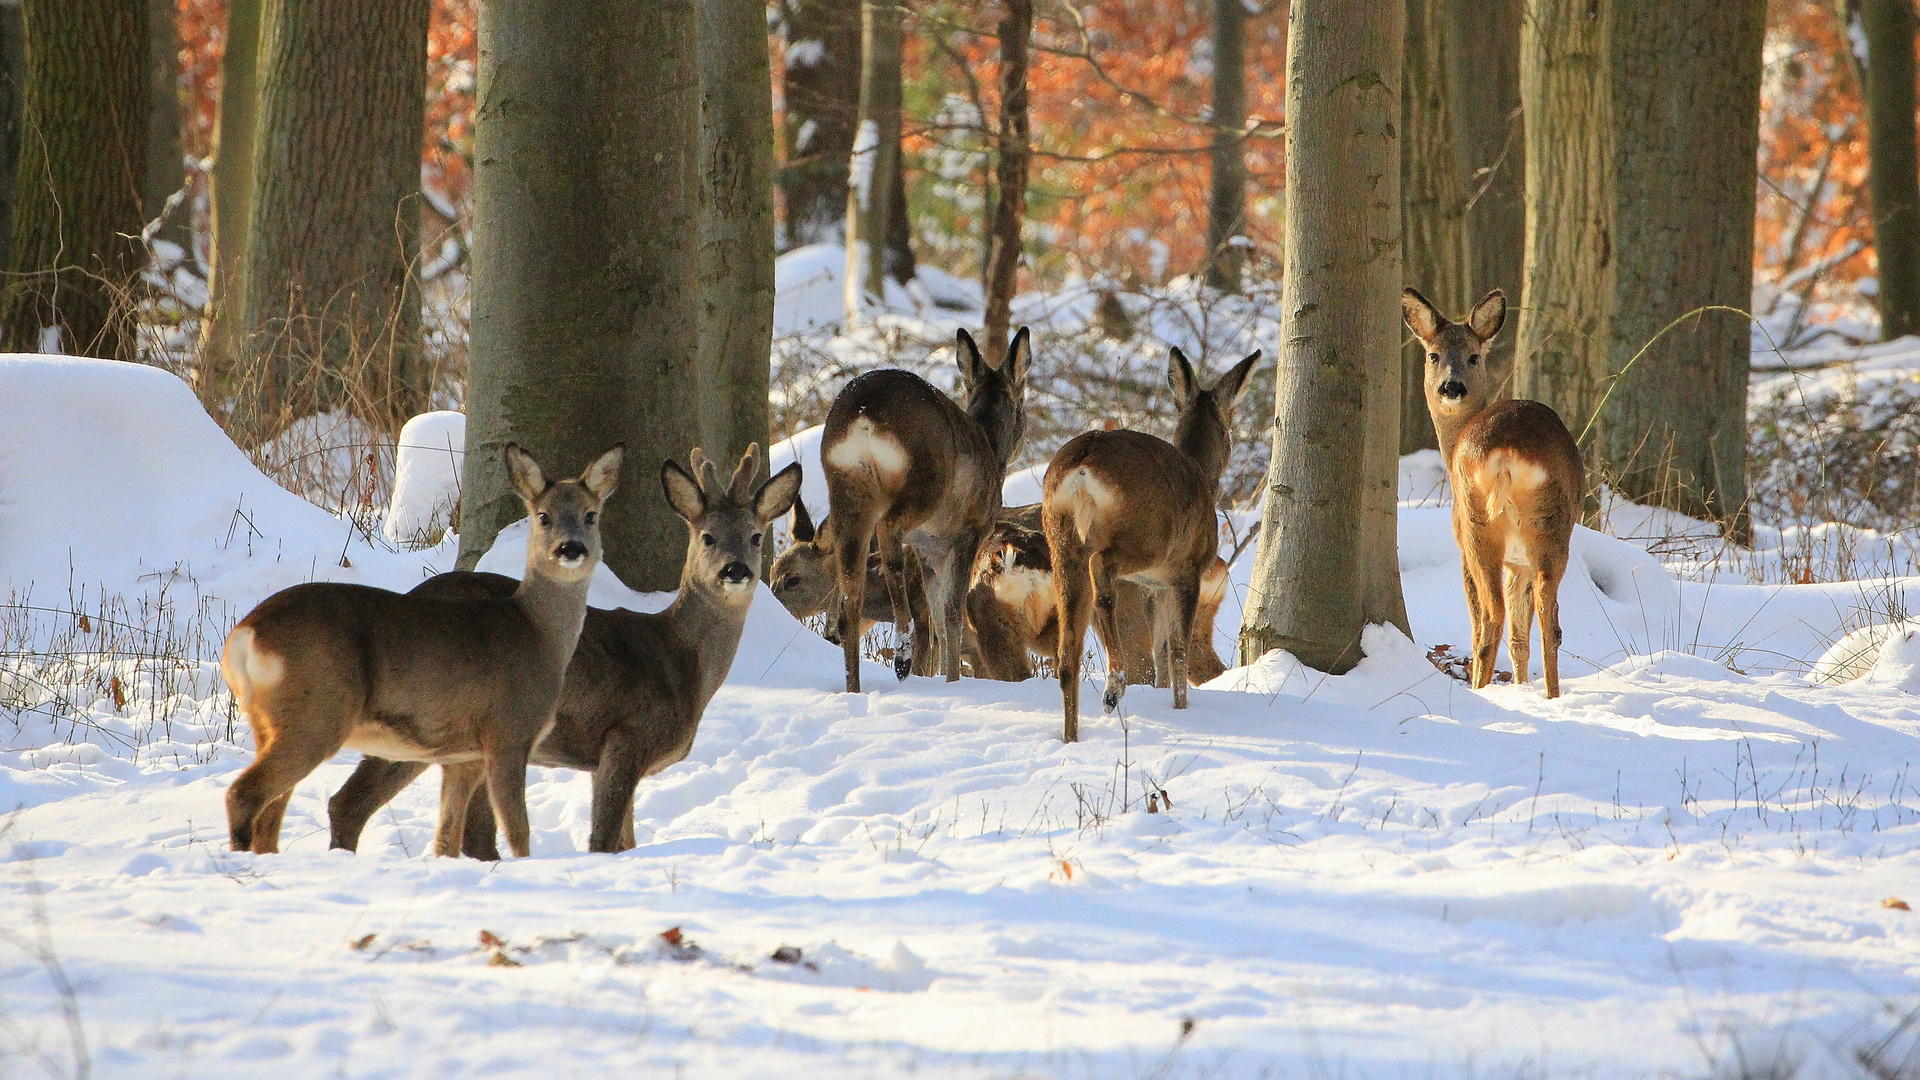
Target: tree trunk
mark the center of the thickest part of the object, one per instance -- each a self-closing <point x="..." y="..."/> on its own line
<point x="1435" y="200"/>
<point x="76" y="218"/>
<point x="821" y="87"/>
<point x="1227" y="197"/>
<point x="1676" y="420"/>
<point x="332" y="302"/>
<point x="1015" y="154"/>
<point x="166" y="170"/>
<point x="1564" y="334"/>
<point x="13" y="77"/>
<point x="230" y="185"/>
<point x="736" y="225"/>
<point x="1893" y="176"/>
<point x="1328" y="564"/>
<point x="875" y="159"/>
<point x="901" y="265"/>
<point x="1482" y="61"/>
<point x="586" y="303"/>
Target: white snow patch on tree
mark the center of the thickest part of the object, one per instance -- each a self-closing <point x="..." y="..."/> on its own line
<point x="426" y="483"/>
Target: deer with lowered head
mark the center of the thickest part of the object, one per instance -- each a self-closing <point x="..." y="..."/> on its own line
<point x="906" y="467"/>
<point x="465" y="681"/>
<point x="1126" y="506"/>
<point x="1012" y="611"/>
<point x="806" y="581"/>
<point x="638" y="683"/>
<point x="1517" y="480"/>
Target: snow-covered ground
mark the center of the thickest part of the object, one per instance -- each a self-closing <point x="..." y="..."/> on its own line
<point x="1678" y="866"/>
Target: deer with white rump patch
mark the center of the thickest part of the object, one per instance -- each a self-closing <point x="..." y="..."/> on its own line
<point x="1124" y="505"/>
<point x="322" y="667"/>
<point x="907" y="467"/>
<point x="1517" y="479"/>
<point x="638" y="683"/>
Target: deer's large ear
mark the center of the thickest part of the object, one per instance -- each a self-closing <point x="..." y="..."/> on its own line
<point x="1180" y="376"/>
<point x="1233" y="385"/>
<point x="971" y="362"/>
<point x="683" y="491"/>
<point x="1019" y="359"/>
<point x="803" y="530"/>
<point x="740" y="487"/>
<point x="528" y="480"/>
<point x="1421" y="317"/>
<point x="603" y="475"/>
<point x="1488" y="316"/>
<point x="779" y="493"/>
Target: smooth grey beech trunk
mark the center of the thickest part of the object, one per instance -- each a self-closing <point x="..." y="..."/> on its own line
<point x="1012" y="160"/>
<point x="1328" y="562"/>
<point x="1893" y="163"/>
<point x="1227" y="182"/>
<point x="586" y="303"/>
<point x="875" y="161"/>
<point x="230" y="187"/>
<point x="1434" y="198"/>
<point x="736" y="225"/>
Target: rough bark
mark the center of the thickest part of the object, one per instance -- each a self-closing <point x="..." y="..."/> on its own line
<point x="166" y="171"/>
<point x="586" y="307"/>
<point x="1328" y="564"/>
<point x="1482" y="58"/>
<point x="1015" y="155"/>
<point x="1434" y="198"/>
<point x="230" y="186"/>
<point x="1640" y="190"/>
<point x="13" y="75"/>
<point x="1675" y="420"/>
<point x="736" y="225"/>
<point x="1893" y="174"/>
<point x="77" y="189"/>
<point x="1227" y="193"/>
<point x="332" y="304"/>
<point x="821" y="88"/>
<point x="875" y="159"/>
<point x="1564" y="333"/>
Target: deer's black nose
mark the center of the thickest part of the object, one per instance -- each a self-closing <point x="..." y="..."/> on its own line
<point x="570" y="550"/>
<point x="736" y="572"/>
<point x="1453" y="390"/>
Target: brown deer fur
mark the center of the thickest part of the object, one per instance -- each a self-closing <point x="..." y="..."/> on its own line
<point x="905" y="466"/>
<point x="806" y="581"/>
<point x="1517" y="482"/>
<point x="639" y="682"/>
<point x="321" y="667"/>
<point x="1012" y="613"/>
<point x="1124" y="505"/>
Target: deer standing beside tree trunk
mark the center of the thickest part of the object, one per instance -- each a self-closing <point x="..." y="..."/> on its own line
<point x="1517" y="480"/>
<point x="638" y="683"/>
<point x="1124" y="505"/>
<point x="322" y="667"/>
<point x="905" y="466"/>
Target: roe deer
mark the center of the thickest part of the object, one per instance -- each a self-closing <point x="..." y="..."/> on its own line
<point x="1011" y="610"/>
<point x="638" y="683"/>
<point x="1124" y="505"/>
<point x="1517" y="480"/>
<point x="806" y="581"/>
<point x="470" y="681"/>
<point x="905" y="466"/>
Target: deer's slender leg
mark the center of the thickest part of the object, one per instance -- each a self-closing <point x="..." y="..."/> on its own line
<point x="482" y="839"/>
<point x="1484" y="558"/>
<point x="1073" y="606"/>
<point x="457" y="784"/>
<point x="1106" y="621"/>
<point x="951" y="575"/>
<point x="1547" y="593"/>
<point x="374" y="783"/>
<point x="253" y="822"/>
<point x="893" y="570"/>
<point x="1519" y="589"/>
<point x="851" y="551"/>
<point x="506" y="771"/>
<point x="621" y="766"/>
<point x="1184" y="602"/>
<point x="926" y="661"/>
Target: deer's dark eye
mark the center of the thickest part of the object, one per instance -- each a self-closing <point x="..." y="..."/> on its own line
<point x="756" y="539"/>
<point x="592" y="517"/>
<point x="1474" y="359"/>
<point x="707" y="539"/>
<point x="1434" y="357"/>
<point x="545" y="519"/>
<point x="792" y="582"/>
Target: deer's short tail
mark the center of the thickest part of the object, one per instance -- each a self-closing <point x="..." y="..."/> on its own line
<point x="1506" y="478"/>
<point x="1084" y="500"/>
<point x="249" y="669"/>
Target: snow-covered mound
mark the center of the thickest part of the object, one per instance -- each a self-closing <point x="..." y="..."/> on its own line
<point x="1299" y="874"/>
<point x="426" y="481"/>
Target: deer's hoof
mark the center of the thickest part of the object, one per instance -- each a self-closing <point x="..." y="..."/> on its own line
<point x="902" y="664"/>
<point x="1110" y="700"/>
